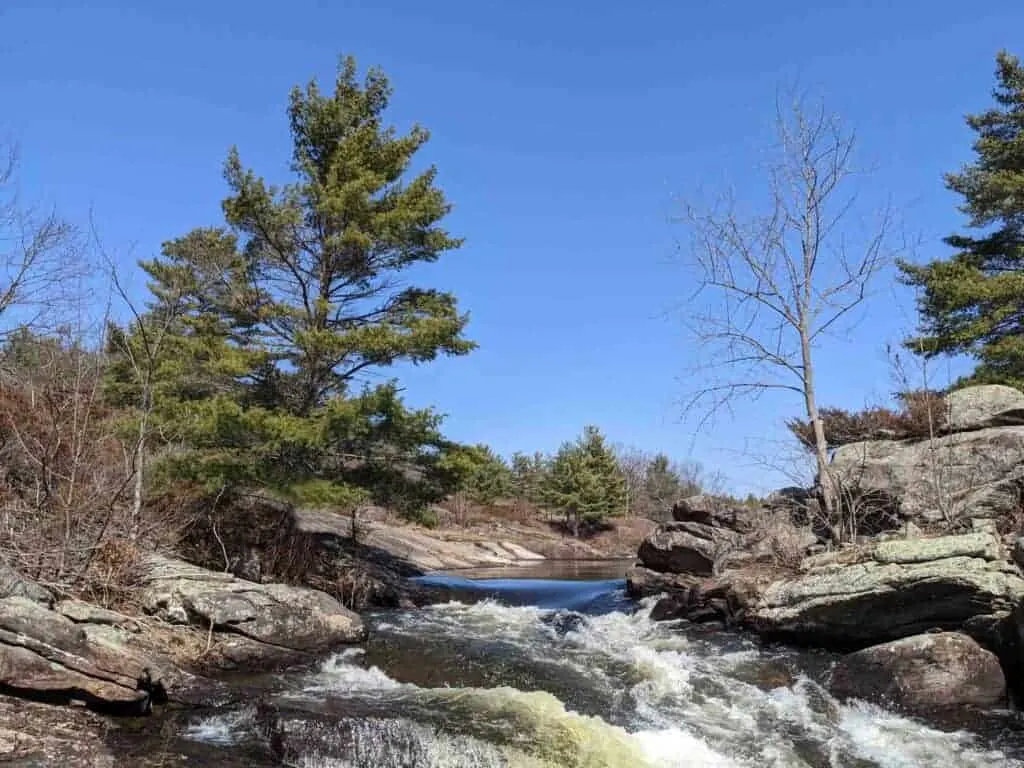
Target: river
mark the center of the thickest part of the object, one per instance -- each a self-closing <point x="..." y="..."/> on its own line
<point x="558" y="669"/>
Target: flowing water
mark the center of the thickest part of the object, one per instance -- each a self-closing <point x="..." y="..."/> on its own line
<point x="568" y="673"/>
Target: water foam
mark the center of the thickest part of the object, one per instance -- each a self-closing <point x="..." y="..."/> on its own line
<point x="691" y="708"/>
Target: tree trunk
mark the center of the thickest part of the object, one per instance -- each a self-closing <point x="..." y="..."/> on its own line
<point x="820" y="444"/>
<point x="139" y="462"/>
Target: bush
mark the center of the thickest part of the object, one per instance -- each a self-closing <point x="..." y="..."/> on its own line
<point x="921" y="414"/>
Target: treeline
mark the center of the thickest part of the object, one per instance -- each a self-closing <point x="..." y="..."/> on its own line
<point x="586" y="480"/>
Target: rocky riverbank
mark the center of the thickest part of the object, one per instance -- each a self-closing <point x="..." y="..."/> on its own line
<point x="930" y="607"/>
<point x="187" y="631"/>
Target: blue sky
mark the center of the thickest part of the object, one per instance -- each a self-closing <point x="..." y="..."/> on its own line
<point x="564" y="132"/>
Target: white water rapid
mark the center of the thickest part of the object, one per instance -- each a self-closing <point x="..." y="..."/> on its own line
<point x="482" y="685"/>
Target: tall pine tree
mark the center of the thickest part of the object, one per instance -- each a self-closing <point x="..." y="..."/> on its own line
<point x="973" y="302"/>
<point x="584" y="481"/>
<point x="298" y="296"/>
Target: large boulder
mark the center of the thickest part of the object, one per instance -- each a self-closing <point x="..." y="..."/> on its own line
<point x="989" y="405"/>
<point x="706" y="509"/>
<point x="687" y="547"/>
<point x="893" y="589"/>
<point x="268" y="618"/>
<point x="44" y="653"/>
<point x="931" y="671"/>
<point x="950" y="478"/>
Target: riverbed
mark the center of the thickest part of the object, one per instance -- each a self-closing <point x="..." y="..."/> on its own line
<point x="558" y="668"/>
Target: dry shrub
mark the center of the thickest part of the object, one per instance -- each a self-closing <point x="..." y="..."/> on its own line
<point x="922" y="414"/>
<point x="114" y="575"/>
<point x="66" y="472"/>
<point x="63" y="477"/>
<point x="250" y="535"/>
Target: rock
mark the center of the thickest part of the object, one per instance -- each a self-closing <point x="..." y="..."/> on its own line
<point x="13" y="584"/>
<point x="725" y="598"/>
<point x="296" y="619"/>
<point x="686" y="547"/>
<point x="37" y="735"/>
<point x="931" y="671"/>
<point x="706" y="509"/>
<point x="564" y="622"/>
<point x="862" y="596"/>
<point x="955" y="476"/>
<point x="45" y="653"/>
<point x="905" y="551"/>
<point x="1018" y="551"/>
<point x="643" y="582"/>
<point x="988" y="405"/>
<point x="86" y="613"/>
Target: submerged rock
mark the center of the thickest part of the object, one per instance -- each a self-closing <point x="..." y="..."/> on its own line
<point x="564" y="622"/>
<point x="922" y="672"/>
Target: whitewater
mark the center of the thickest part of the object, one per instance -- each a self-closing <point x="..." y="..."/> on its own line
<point x="490" y="684"/>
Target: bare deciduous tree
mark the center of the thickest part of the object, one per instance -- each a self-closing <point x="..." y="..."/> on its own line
<point x="778" y="281"/>
<point x="39" y="252"/>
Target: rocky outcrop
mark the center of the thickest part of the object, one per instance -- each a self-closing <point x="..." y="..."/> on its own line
<point x="33" y="735"/>
<point x="972" y="468"/>
<point x="267" y="623"/>
<point x="686" y="548"/>
<point x="415" y="550"/>
<point x="44" y="653"/>
<point x="932" y="671"/>
<point x="706" y="509"/>
<point x="989" y="405"/>
<point x="726" y="598"/>
<point x="712" y="535"/>
<point x="893" y="589"/>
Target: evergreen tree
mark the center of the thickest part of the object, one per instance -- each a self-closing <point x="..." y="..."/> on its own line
<point x="528" y="476"/>
<point x="481" y="475"/>
<point x="584" y="481"/>
<point x="297" y="296"/>
<point x="973" y="302"/>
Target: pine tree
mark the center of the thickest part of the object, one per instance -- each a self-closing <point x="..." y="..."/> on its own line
<point x="299" y="295"/>
<point x="527" y="479"/>
<point x="584" y="481"/>
<point x="973" y="302"/>
<point x="481" y="474"/>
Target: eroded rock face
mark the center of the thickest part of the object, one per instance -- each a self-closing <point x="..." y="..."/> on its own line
<point x="922" y="672"/>
<point x="686" y="547"/>
<point x="989" y="405"/>
<point x="46" y="653"/>
<point x="893" y="589"/>
<point x="285" y="618"/>
<point x="709" y="510"/>
<point x="953" y="477"/>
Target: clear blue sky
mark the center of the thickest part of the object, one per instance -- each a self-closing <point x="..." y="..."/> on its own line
<point x="562" y="131"/>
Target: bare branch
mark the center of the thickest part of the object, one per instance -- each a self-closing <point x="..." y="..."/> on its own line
<point x="785" y="277"/>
